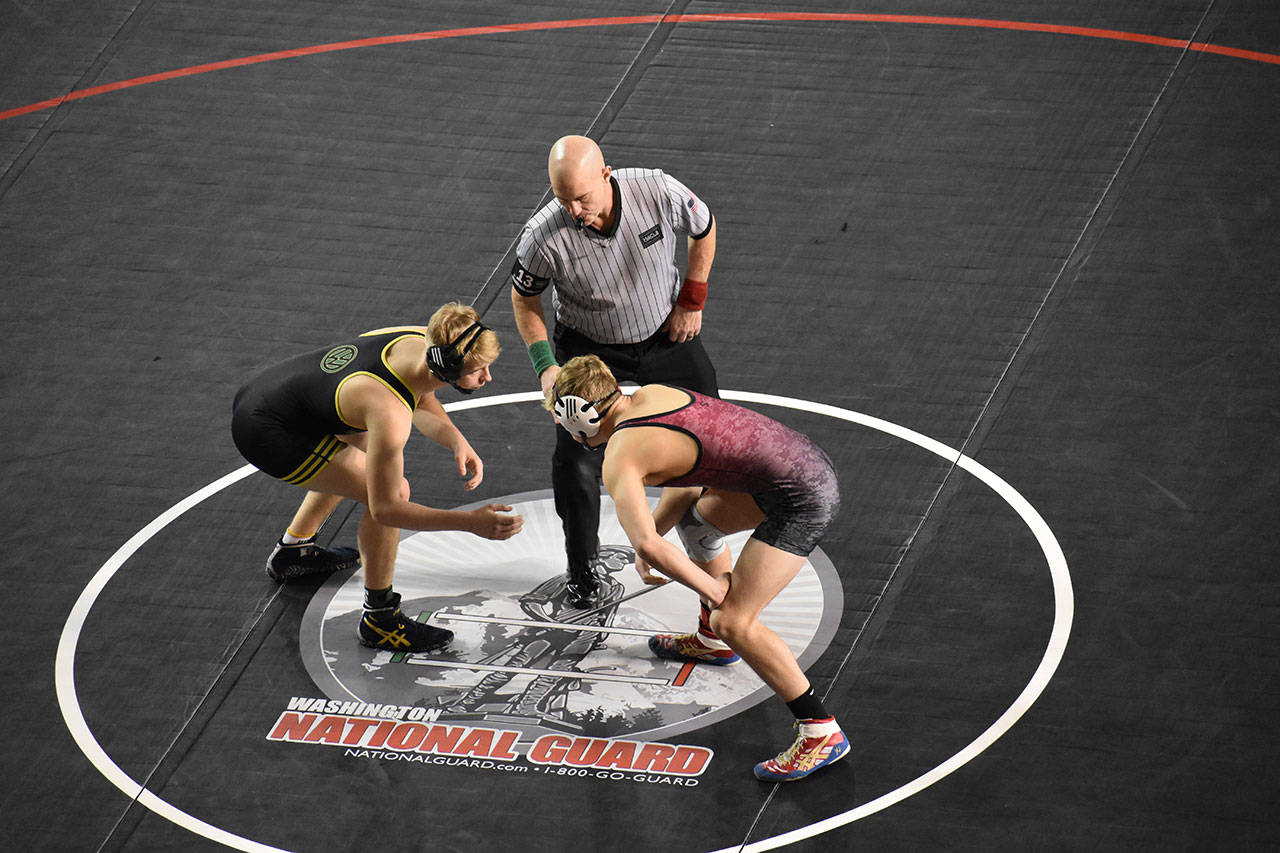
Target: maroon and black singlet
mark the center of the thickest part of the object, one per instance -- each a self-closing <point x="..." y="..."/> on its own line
<point x="790" y="477"/>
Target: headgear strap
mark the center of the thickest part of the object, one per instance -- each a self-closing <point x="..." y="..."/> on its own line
<point x="447" y="362"/>
<point x="581" y="417"/>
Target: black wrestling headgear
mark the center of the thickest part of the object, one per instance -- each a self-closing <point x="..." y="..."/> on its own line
<point x="447" y="362"/>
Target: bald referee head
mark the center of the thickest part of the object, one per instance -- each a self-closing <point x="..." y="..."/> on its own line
<point x="580" y="181"/>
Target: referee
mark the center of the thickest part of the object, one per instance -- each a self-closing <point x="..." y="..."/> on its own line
<point x="607" y="247"/>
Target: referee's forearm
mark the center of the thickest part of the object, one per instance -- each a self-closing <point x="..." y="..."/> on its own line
<point x="701" y="254"/>
<point x="530" y="321"/>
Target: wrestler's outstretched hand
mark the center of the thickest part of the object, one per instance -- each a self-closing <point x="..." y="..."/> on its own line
<point x="490" y="522"/>
<point x="469" y="463"/>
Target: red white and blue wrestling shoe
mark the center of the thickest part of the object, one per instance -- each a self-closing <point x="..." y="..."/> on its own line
<point x="692" y="647"/>
<point x="702" y="646"/>
<point x="818" y="743"/>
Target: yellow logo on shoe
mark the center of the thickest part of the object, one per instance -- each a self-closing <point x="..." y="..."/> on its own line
<point x="395" y="638"/>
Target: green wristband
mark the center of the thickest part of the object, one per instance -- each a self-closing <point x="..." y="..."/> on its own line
<point x="541" y="356"/>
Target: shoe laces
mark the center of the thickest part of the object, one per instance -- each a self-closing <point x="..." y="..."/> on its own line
<point x="682" y="640"/>
<point x="788" y="755"/>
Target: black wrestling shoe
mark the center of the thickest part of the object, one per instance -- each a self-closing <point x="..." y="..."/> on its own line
<point x="387" y="628"/>
<point x="307" y="559"/>
<point x="580" y="594"/>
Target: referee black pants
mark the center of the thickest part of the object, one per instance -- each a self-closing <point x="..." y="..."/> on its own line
<point x="575" y="471"/>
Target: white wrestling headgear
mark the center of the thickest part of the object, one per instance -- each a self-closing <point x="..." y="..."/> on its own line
<point x="581" y="417"/>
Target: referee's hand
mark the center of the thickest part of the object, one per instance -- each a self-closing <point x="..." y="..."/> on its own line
<point x="683" y="325"/>
<point x="548" y="379"/>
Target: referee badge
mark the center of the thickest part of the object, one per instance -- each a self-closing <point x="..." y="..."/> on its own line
<point x="653" y="235"/>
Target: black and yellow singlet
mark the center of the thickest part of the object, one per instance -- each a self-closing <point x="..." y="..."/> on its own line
<point x="286" y="418"/>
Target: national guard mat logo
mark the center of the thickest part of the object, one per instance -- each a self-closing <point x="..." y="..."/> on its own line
<point x="524" y="660"/>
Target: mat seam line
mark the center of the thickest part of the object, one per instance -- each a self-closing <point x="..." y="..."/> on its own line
<point x="145" y="784"/>
<point x="598" y="125"/>
<point x="1069" y="262"/>
<point x="55" y="117"/>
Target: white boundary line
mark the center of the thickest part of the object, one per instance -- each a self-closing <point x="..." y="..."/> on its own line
<point x="1063" y="615"/>
<point x="1064" y="607"/>
<point x="64" y="677"/>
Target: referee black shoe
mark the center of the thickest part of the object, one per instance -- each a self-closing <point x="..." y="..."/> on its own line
<point x="307" y="559"/>
<point x="387" y="628"/>
<point x="581" y="595"/>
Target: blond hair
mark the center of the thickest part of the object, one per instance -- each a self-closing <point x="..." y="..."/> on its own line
<point x="454" y="318"/>
<point x="584" y="376"/>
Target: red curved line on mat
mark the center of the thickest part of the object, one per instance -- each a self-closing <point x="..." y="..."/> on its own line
<point x="855" y="17"/>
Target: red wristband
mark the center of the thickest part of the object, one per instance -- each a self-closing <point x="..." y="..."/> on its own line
<point x="693" y="295"/>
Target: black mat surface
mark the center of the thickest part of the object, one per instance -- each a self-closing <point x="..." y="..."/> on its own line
<point x="1043" y="236"/>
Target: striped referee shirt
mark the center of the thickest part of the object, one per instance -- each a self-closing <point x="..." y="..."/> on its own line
<point x="615" y="288"/>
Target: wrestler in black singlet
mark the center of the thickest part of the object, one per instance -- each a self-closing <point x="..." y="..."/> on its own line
<point x="286" y="418"/>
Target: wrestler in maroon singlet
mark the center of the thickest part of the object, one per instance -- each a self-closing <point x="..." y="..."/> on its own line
<point x="790" y="477"/>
